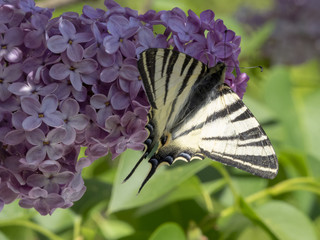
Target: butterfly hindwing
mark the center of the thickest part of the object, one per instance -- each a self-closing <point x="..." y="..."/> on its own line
<point x="195" y="115"/>
<point x="226" y="131"/>
<point x="233" y="136"/>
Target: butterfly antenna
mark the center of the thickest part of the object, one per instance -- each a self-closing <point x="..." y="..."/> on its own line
<point x="135" y="167"/>
<point x="154" y="164"/>
<point x="261" y="68"/>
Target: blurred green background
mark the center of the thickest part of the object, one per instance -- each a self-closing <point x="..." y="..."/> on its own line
<point x="205" y="200"/>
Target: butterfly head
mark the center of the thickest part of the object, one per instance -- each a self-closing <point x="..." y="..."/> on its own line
<point x="217" y="73"/>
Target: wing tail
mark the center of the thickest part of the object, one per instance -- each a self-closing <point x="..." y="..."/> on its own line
<point x="155" y="163"/>
<point x="145" y="154"/>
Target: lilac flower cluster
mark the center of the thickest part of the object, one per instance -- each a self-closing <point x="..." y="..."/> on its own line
<point x="72" y="82"/>
<point x="296" y="34"/>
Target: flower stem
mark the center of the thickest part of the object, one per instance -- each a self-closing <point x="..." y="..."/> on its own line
<point x="30" y="225"/>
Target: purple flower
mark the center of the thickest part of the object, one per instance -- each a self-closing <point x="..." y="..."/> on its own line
<point x="36" y="67"/>
<point x="134" y="121"/>
<point x="16" y="136"/>
<point x="239" y="85"/>
<point x="74" y="191"/>
<point x="6" y="13"/>
<point x="49" y="145"/>
<point x="72" y="120"/>
<point x="120" y="29"/>
<point x="77" y="72"/>
<point x="120" y="100"/>
<point x="102" y="102"/>
<point x="30" y="6"/>
<point x="30" y="89"/>
<point x="207" y="19"/>
<point x="126" y="70"/>
<point x="73" y="82"/>
<point x="92" y="15"/>
<point x="9" y="42"/>
<point x="65" y="89"/>
<point x="11" y="104"/>
<point x="93" y="129"/>
<point x="115" y="129"/>
<point x="97" y="49"/>
<point x="69" y="41"/>
<point x="35" y="37"/>
<point x="184" y="30"/>
<point x="126" y="132"/>
<point x="51" y="178"/>
<point x="42" y="201"/>
<point x="148" y="40"/>
<point x="8" y="75"/>
<point x="44" y="112"/>
<point x="8" y="195"/>
<point x="134" y="141"/>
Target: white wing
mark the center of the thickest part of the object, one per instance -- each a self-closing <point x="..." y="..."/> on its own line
<point x="226" y="131"/>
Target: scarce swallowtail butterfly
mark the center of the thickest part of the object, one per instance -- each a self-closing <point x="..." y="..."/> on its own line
<point x="194" y="115"/>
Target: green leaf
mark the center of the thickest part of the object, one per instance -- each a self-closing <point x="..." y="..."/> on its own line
<point x="286" y="222"/>
<point x="261" y="111"/>
<point x="124" y="195"/>
<point x="249" y="212"/>
<point x="168" y="231"/>
<point x="305" y="77"/>
<point x="278" y="96"/>
<point x="252" y="43"/>
<point x="14" y="211"/>
<point x="114" y="229"/>
<point x="254" y="232"/>
<point x="245" y="186"/>
<point x="61" y="219"/>
<point x="310" y="119"/>
<point x="214" y="186"/>
<point x="3" y="236"/>
<point x="21" y="233"/>
<point x="296" y="163"/>
<point x="232" y="225"/>
<point x="189" y="189"/>
<point x="194" y="232"/>
<point x="317" y="226"/>
<point x="97" y="192"/>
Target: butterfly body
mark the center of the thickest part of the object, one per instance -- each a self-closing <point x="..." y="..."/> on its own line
<point x="194" y="115"/>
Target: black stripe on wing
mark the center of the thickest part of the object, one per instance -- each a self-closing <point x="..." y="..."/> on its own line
<point x="186" y="80"/>
<point x="170" y="66"/>
<point x="185" y="64"/>
<point x="146" y="65"/>
<point x="212" y="117"/>
<point x="164" y="60"/>
<point x="265" y="166"/>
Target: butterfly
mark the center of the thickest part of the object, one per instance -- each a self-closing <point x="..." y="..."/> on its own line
<point x="194" y="115"/>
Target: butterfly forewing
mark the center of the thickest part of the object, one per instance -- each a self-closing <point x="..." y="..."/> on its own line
<point x="194" y="115"/>
<point x="168" y="77"/>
